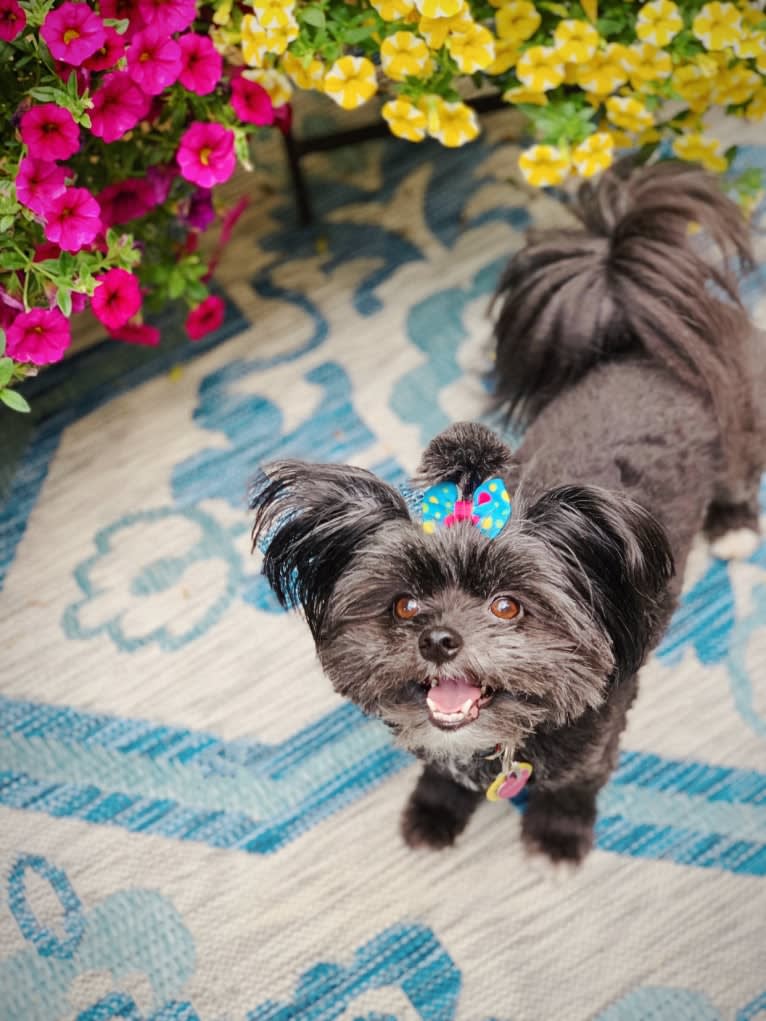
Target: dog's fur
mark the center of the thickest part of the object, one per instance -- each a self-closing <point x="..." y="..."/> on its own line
<point x="626" y="353"/>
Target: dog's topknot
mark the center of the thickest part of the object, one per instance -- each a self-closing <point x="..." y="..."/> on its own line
<point x="466" y="453"/>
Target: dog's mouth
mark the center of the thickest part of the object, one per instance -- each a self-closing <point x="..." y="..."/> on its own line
<point x="455" y="701"/>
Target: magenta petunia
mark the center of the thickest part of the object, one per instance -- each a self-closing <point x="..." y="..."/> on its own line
<point x="198" y="213"/>
<point x="205" y="317"/>
<point x="169" y="15"/>
<point x="73" y="219"/>
<point x="117" y="298"/>
<point x="37" y="182"/>
<point x="161" y="177"/>
<point x="106" y="56"/>
<point x="137" y="333"/>
<point x="49" y="132"/>
<point x="251" y="102"/>
<point x="40" y="336"/>
<point x="201" y="64"/>
<point x="73" y="32"/>
<point x="12" y="20"/>
<point x="206" y="154"/>
<point x="117" y="106"/>
<point x="123" y="10"/>
<point x="154" y="60"/>
<point x="126" y="200"/>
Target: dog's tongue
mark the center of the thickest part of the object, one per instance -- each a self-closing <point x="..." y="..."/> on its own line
<point x="450" y="696"/>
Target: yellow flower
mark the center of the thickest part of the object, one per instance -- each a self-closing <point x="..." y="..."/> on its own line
<point x="405" y="120"/>
<point x="605" y="72"/>
<point x="222" y="14"/>
<point x="694" y="85"/>
<point x="351" y="81"/>
<point x="756" y="108"/>
<point x="273" y="14"/>
<point x="404" y="55"/>
<point x="628" y="113"/>
<point x="540" y="68"/>
<point x="760" y="62"/>
<point x="658" y="22"/>
<point x="305" y="76"/>
<point x="646" y="63"/>
<point x="517" y="20"/>
<point x="520" y="95"/>
<point x="277" y="85"/>
<point x="752" y="14"/>
<point x="750" y="47"/>
<point x="593" y="155"/>
<point x="717" y="26"/>
<point x="698" y="149"/>
<point x="736" y="85"/>
<point x="439" y="8"/>
<point x="436" y="30"/>
<point x="575" y="41"/>
<point x="473" y="50"/>
<point x="544" y="165"/>
<point x="393" y="10"/>
<point x="453" y="124"/>
<point x="506" y="55"/>
<point x="256" y="41"/>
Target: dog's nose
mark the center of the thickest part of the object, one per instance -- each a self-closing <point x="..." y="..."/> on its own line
<point x="439" y="644"/>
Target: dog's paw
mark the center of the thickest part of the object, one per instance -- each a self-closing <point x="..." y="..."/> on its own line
<point x="564" y="840"/>
<point x="430" y="826"/>
<point x="738" y="544"/>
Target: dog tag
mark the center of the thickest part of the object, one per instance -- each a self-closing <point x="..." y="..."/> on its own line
<point x="510" y="782"/>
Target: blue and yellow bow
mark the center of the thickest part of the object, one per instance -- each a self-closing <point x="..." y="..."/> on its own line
<point x="488" y="509"/>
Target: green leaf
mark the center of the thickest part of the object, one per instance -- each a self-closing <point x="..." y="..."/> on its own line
<point x="313" y="16"/>
<point x="358" y="35"/>
<point x="12" y="260"/>
<point x="64" y="300"/>
<point x="6" y="371"/>
<point x="2" y="342"/>
<point x="14" y="400"/>
<point x="6" y="222"/>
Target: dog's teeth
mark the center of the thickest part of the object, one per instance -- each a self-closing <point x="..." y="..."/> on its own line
<point x="465" y="708"/>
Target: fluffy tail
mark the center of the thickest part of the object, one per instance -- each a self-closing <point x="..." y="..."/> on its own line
<point x="636" y="278"/>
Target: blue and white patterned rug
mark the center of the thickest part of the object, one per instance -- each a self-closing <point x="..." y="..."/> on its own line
<point x="192" y="826"/>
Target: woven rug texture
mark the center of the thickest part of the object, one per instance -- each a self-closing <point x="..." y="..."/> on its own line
<point x="193" y="826"/>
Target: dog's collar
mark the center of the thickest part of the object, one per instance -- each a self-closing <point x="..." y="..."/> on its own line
<point x="513" y="775"/>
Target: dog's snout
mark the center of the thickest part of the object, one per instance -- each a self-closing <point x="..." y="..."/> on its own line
<point x="439" y="644"/>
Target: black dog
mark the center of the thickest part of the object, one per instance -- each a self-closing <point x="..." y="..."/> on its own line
<point x="503" y="636"/>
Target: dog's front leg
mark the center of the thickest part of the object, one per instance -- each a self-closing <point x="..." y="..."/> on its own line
<point x="438" y="810"/>
<point x="559" y="822"/>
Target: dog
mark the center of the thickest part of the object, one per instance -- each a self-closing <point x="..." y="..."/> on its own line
<point x="501" y="638"/>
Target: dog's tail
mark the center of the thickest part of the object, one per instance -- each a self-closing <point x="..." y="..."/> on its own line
<point x="638" y="277"/>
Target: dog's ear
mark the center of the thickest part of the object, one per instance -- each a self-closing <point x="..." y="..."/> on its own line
<point x="466" y="453"/>
<point x="311" y="520"/>
<point x="617" y="558"/>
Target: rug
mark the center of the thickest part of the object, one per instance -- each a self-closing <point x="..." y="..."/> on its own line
<point x="193" y="827"/>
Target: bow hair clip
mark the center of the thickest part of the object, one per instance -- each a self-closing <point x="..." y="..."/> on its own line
<point x="488" y="509"/>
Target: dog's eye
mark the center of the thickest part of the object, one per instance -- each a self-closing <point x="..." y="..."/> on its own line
<point x="406" y="607"/>
<point x="505" y="608"/>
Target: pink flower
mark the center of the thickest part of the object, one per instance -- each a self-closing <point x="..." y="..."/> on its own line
<point x="106" y="56"/>
<point x="12" y="20"/>
<point x="154" y="60"/>
<point x="169" y="15"/>
<point x="40" y="336"/>
<point x="205" y="317"/>
<point x="198" y="213"/>
<point x="37" y="182"/>
<point x="117" y="106"/>
<point x="251" y="102"/>
<point x="73" y="32"/>
<point x="123" y="10"/>
<point x="201" y="65"/>
<point x="49" y="132"/>
<point x="137" y="333"/>
<point x="206" y="154"/>
<point x="161" y="178"/>
<point x="72" y="219"/>
<point x="117" y="298"/>
<point x="125" y="201"/>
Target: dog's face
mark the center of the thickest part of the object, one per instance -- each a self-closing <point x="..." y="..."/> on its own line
<point x="460" y="641"/>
